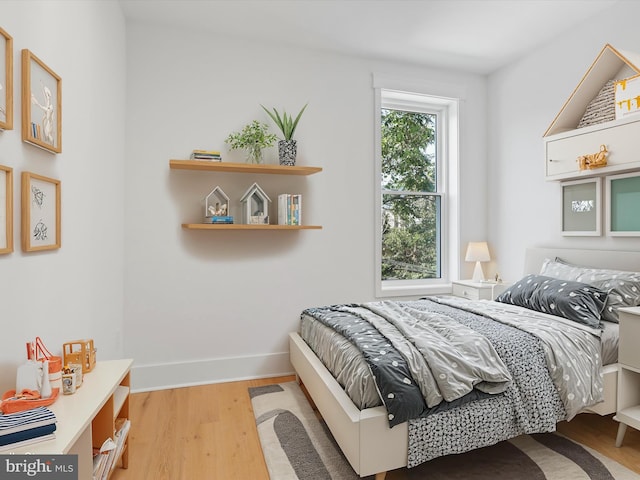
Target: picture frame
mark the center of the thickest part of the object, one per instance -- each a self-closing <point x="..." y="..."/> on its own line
<point x="623" y="198"/>
<point x="6" y="81"/>
<point x="41" y="104"/>
<point x="582" y="207"/>
<point x="6" y="209"/>
<point x="41" y="213"/>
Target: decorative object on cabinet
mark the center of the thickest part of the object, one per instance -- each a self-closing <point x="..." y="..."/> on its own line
<point x="477" y="252"/>
<point x="6" y="209"/>
<point x="623" y="196"/>
<point x="80" y="352"/>
<point x="216" y="207"/>
<point x="581" y="207"/>
<point x="564" y="142"/>
<point x="253" y="138"/>
<point x="41" y="223"/>
<point x="627" y="96"/>
<point x="287" y="147"/>
<point x="628" y="405"/>
<point x="6" y="81"/>
<point x="593" y="160"/>
<point x="41" y="104"/>
<point x="243" y="168"/>
<point x="255" y="206"/>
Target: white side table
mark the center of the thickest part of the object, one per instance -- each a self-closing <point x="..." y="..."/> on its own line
<point x="628" y="408"/>
<point x="478" y="290"/>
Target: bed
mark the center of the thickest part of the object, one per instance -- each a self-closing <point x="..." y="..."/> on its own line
<point x="364" y="434"/>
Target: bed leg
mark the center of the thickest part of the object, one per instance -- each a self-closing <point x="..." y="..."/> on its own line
<point x="381" y="475"/>
<point x="622" y="429"/>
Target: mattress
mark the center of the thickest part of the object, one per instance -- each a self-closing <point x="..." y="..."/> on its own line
<point x="348" y="366"/>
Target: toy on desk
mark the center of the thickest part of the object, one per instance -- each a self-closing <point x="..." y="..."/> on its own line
<point x="81" y="352"/>
<point x="38" y="352"/>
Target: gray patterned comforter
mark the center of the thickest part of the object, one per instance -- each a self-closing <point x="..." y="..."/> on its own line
<point x="470" y="374"/>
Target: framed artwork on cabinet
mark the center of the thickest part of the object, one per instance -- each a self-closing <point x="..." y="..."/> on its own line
<point x="6" y="81"/>
<point x="40" y="213"/>
<point x="41" y="104"/>
<point x="6" y="209"/>
<point x="623" y="196"/>
<point x="581" y="208"/>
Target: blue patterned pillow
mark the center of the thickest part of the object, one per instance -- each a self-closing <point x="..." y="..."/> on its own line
<point x="574" y="301"/>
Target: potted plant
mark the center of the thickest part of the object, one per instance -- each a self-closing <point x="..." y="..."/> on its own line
<point x="287" y="147"/>
<point x="253" y="138"/>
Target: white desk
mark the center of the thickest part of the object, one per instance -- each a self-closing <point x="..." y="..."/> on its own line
<point x="83" y="415"/>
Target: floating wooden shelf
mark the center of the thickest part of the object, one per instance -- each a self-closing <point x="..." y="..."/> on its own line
<point x="240" y="226"/>
<point x="210" y="166"/>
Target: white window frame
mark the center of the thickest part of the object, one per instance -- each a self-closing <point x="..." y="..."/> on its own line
<point x="447" y="109"/>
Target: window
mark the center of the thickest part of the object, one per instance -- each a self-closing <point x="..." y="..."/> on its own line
<point x="415" y="167"/>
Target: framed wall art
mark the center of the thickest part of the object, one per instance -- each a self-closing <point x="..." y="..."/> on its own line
<point x="581" y="207"/>
<point x="6" y="209"/>
<point x="41" y="223"/>
<point x="6" y="81"/>
<point x="41" y="104"/>
<point x="623" y="196"/>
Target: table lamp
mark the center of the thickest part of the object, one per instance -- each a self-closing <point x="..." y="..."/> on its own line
<point x="478" y="252"/>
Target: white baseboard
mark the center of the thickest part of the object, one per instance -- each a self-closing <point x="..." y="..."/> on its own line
<point x="146" y="378"/>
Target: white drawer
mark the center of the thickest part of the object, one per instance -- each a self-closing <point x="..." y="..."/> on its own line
<point x="465" y="291"/>
<point x="563" y="150"/>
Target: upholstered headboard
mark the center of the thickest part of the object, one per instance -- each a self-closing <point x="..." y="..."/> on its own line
<point x="613" y="259"/>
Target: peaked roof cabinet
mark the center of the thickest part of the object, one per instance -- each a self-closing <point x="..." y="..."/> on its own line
<point x="569" y="139"/>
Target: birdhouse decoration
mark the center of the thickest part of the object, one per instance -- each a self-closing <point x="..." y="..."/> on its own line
<point x="255" y="206"/>
<point x="216" y="207"/>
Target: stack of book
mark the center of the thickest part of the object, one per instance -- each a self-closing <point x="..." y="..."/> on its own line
<point x="212" y="155"/>
<point x="26" y="427"/>
<point x="219" y="219"/>
<point x="289" y="209"/>
<point x="105" y="458"/>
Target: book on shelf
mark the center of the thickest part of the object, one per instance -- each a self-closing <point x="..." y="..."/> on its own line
<point x="211" y="155"/>
<point x="289" y="209"/>
<point x="105" y="458"/>
<point x="219" y="219"/>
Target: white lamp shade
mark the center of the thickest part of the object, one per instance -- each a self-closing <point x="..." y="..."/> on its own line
<point x="478" y="252"/>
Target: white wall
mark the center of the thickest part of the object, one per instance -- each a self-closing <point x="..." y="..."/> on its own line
<point x="524" y="98"/>
<point x="77" y="291"/>
<point x="206" y="306"/>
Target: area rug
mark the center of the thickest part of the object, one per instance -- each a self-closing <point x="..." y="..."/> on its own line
<point x="297" y="445"/>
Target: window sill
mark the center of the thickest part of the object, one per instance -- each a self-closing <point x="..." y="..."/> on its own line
<point x="413" y="290"/>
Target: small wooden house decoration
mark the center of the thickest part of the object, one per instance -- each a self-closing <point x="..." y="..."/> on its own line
<point x="255" y="206"/>
<point x="216" y="204"/>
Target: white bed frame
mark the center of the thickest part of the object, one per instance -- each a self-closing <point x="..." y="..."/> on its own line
<point x="364" y="436"/>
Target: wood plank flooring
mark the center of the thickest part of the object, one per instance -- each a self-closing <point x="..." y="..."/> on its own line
<point x="208" y="433"/>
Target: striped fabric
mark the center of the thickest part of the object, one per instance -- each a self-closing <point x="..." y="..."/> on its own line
<point x="28" y="419"/>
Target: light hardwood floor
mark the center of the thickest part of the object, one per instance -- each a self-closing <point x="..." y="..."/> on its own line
<point x="208" y="433"/>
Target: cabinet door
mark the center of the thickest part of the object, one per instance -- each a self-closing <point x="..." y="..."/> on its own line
<point x="562" y="151"/>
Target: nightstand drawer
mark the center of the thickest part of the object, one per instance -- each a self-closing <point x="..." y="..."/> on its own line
<point x="470" y="292"/>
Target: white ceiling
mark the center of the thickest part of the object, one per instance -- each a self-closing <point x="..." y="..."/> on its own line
<point x="477" y="36"/>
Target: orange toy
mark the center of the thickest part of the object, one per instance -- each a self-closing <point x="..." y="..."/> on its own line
<point x="81" y="352"/>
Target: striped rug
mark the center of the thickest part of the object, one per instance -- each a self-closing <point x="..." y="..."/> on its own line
<point x="296" y="445"/>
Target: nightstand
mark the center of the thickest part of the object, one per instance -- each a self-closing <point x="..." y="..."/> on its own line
<point x="628" y="409"/>
<point x="478" y="290"/>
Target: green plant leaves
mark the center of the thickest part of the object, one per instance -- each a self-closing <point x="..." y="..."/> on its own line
<point x="285" y="122"/>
